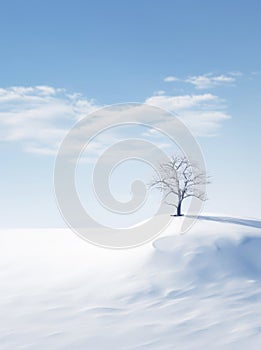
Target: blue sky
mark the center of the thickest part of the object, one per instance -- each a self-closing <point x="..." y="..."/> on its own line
<point x="84" y="54"/>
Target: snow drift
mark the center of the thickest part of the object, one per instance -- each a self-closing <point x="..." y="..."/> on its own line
<point x="201" y="289"/>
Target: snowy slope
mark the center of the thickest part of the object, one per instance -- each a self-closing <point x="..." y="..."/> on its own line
<point x="201" y="289"/>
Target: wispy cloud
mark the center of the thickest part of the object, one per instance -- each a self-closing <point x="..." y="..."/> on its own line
<point x="209" y="80"/>
<point x="39" y="117"/>
<point x="174" y="103"/>
<point x="160" y="92"/>
<point x="170" y="79"/>
<point x="202" y="113"/>
<point x="206" y="81"/>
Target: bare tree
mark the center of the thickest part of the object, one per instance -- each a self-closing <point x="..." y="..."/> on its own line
<point x="179" y="179"/>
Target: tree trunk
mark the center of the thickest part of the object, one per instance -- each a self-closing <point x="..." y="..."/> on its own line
<point x="179" y="209"/>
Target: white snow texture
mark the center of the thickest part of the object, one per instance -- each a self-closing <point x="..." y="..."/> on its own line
<point x="192" y="291"/>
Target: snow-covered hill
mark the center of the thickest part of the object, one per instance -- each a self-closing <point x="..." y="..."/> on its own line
<point x="201" y="289"/>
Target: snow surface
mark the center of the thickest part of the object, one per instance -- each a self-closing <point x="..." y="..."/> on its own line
<point x="192" y="291"/>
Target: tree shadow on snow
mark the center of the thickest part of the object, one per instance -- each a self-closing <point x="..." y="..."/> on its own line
<point x="231" y="220"/>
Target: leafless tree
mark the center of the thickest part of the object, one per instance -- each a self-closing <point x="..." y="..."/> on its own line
<point x="179" y="179"/>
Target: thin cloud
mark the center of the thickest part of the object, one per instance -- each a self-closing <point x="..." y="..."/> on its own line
<point x="170" y="79"/>
<point x="209" y="81"/>
<point x="174" y="103"/>
<point x="160" y="92"/>
<point x="206" y="81"/>
<point x="39" y="117"/>
<point x="203" y="113"/>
